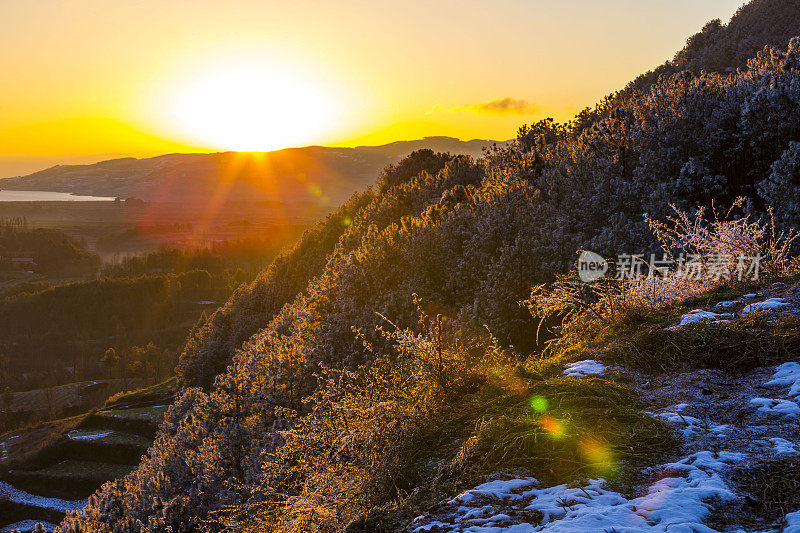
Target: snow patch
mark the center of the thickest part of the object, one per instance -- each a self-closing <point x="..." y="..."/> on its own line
<point x="584" y="368"/>
<point x="777" y="407"/>
<point x="690" y="425"/>
<point x="495" y="489"/>
<point x="12" y="494"/>
<point x="674" y="503"/>
<point x="699" y="315"/>
<point x="88" y="435"/>
<point x="792" y="523"/>
<point x="428" y="527"/>
<point x="787" y="374"/>
<point x="771" y="304"/>
<point x="783" y="446"/>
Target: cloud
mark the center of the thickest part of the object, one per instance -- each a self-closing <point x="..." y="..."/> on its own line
<point x="501" y="107"/>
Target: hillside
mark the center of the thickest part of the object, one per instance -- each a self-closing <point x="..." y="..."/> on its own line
<point x="733" y="464"/>
<point x="723" y="48"/>
<point x="50" y="251"/>
<point x="425" y="359"/>
<point x="55" y="466"/>
<point x="312" y="174"/>
<point x="365" y="390"/>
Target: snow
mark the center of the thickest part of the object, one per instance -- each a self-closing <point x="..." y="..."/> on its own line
<point x="428" y="527"/>
<point x="699" y="315"/>
<point x="787" y="374"/>
<point x="496" y="489"/>
<point x="584" y="368"/>
<point x="777" y="407"/>
<point x="12" y="494"/>
<point x="690" y="426"/>
<point x="680" y="497"/>
<point x="675" y="503"/>
<point x="27" y="525"/>
<point x="792" y="523"/>
<point x="88" y="435"/>
<point x="771" y="304"/>
<point x="783" y="446"/>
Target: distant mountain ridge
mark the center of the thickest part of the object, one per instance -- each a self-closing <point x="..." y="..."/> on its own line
<point x="325" y="175"/>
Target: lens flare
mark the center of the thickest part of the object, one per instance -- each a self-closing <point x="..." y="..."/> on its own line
<point x="597" y="453"/>
<point x="552" y="426"/>
<point x="539" y="404"/>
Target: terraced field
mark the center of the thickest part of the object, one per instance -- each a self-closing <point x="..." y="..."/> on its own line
<point x="53" y="468"/>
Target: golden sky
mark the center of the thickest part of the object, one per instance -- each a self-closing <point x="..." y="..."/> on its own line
<point x="86" y="80"/>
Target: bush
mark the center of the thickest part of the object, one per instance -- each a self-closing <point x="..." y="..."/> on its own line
<point x="446" y="407"/>
<point x="706" y="253"/>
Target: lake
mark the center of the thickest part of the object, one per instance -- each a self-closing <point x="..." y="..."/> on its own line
<point x="49" y="196"/>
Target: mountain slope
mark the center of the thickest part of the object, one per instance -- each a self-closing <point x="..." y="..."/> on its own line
<point x="726" y="47"/>
<point x="377" y="390"/>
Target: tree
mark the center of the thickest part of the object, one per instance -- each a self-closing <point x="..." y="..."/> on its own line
<point x="110" y="360"/>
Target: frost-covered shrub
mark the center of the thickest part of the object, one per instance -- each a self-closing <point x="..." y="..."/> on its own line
<point x="781" y="189"/>
<point x="369" y="433"/>
<point x="703" y="254"/>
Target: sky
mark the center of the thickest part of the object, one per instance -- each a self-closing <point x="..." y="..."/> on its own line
<point x="87" y="80"/>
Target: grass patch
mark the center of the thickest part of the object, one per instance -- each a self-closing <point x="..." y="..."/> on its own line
<point x="84" y="469"/>
<point x="559" y="430"/>
<point x="68" y="479"/>
<point x="655" y="317"/>
<point x="115" y="438"/>
<point x="741" y="344"/>
<point x="34" y="445"/>
<point x="156" y="392"/>
<point x="152" y="414"/>
<point x="564" y="429"/>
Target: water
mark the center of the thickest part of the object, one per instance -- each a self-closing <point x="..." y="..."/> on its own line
<point x="49" y="196"/>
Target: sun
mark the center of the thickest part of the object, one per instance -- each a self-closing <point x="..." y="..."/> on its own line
<point x="253" y="108"/>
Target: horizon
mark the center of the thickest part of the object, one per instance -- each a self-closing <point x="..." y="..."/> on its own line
<point x="103" y="158"/>
<point x="140" y="91"/>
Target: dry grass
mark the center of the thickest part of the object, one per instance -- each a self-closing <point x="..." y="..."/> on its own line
<point x="434" y="417"/>
<point x="739" y="345"/>
<point x="772" y="489"/>
<point x="145" y="395"/>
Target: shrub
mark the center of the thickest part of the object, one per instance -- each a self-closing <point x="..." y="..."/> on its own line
<point x="706" y="254"/>
<point x="444" y="408"/>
